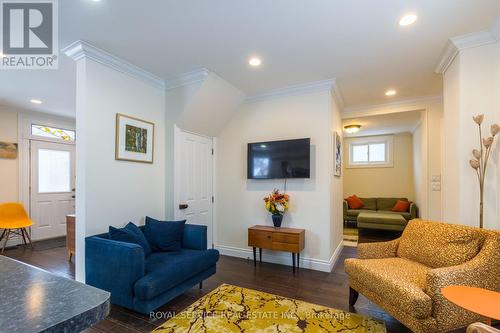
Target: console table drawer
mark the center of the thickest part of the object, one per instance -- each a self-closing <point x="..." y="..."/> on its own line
<point x="287" y="247"/>
<point x="261" y="239"/>
<point x="286" y="238"/>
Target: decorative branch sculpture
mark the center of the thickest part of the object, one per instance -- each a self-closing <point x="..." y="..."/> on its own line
<point x="481" y="157"/>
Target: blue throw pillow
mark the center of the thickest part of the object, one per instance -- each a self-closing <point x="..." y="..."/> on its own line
<point x="164" y="235"/>
<point x="130" y="234"/>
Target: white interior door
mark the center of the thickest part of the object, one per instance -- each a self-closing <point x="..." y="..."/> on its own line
<point x="52" y="188"/>
<point x="194" y="183"/>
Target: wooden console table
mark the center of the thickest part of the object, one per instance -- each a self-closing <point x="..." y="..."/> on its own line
<point x="276" y="239"/>
<point x="70" y="235"/>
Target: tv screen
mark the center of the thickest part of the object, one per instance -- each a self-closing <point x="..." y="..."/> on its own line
<point x="279" y="159"/>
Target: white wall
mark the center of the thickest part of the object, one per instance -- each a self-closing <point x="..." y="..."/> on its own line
<point x="240" y="201"/>
<point x="9" y="170"/>
<point x="419" y="152"/>
<point x="111" y="192"/>
<point x="211" y="108"/>
<point x="471" y="86"/>
<point x="336" y="186"/>
<point x="433" y="139"/>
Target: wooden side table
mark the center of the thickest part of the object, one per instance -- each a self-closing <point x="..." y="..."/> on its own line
<point x="276" y="239"/>
<point x="481" y="301"/>
<point x="70" y="235"/>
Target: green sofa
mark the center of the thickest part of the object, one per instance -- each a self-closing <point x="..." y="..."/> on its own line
<point x="381" y="211"/>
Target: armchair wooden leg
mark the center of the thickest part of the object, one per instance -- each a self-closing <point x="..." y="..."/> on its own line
<point x="353" y="296"/>
<point x="201" y="285"/>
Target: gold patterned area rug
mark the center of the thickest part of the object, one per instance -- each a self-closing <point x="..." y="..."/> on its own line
<point x="229" y="309"/>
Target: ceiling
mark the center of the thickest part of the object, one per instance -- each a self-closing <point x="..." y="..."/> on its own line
<point x="358" y="42"/>
<point x="392" y="123"/>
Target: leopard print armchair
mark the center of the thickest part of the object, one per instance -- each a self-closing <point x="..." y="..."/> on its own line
<point x="405" y="276"/>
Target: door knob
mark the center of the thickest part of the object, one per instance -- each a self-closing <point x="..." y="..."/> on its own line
<point x="183" y="206"/>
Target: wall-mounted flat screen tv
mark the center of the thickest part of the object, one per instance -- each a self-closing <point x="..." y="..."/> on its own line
<point x="279" y="159"/>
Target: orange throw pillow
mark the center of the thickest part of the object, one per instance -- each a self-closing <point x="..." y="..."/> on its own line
<point x="401" y="206"/>
<point x="354" y="202"/>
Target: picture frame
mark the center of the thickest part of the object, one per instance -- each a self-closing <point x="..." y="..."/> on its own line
<point x="337" y="153"/>
<point x="134" y="139"/>
<point x="8" y="150"/>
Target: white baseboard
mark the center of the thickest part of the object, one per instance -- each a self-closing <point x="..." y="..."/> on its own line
<point x="282" y="258"/>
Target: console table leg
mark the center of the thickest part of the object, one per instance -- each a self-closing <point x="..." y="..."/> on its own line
<point x="293" y="260"/>
<point x="298" y="261"/>
<point x="254" y="256"/>
<point x="260" y="255"/>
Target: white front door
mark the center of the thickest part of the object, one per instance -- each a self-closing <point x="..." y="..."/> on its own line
<point x="194" y="188"/>
<point x="52" y="188"/>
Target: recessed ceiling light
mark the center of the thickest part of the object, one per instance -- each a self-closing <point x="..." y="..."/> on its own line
<point x="255" y="62"/>
<point x="35" y="101"/>
<point x="408" y="19"/>
<point x="351" y="129"/>
<point x="390" y="92"/>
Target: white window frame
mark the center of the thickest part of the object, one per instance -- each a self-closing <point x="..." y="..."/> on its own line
<point x="388" y="140"/>
<point x="48" y="138"/>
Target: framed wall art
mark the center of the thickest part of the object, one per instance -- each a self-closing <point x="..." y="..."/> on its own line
<point x="134" y="139"/>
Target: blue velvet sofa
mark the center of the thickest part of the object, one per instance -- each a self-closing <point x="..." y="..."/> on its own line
<point x="143" y="283"/>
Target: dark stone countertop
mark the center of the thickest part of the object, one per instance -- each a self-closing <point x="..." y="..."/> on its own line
<point x="33" y="300"/>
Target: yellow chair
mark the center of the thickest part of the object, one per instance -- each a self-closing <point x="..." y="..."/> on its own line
<point x="14" y="221"/>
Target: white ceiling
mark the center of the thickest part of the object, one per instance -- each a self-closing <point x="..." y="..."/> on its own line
<point x="358" y="42"/>
<point x="392" y="123"/>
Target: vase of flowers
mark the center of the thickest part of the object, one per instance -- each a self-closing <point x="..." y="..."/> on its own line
<point x="277" y="205"/>
<point x="480" y="161"/>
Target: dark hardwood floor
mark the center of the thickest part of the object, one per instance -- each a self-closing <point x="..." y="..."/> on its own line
<point x="328" y="289"/>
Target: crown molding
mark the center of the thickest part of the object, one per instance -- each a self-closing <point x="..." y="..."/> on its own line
<point x="467" y="41"/>
<point x="403" y="105"/>
<point x="447" y="58"/>
<point x="84" y="50"/>
<point x="187" y="78"/>
<point x="337" y="95"/>
<point x="324" y="85"/>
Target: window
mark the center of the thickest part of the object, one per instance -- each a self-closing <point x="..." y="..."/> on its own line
<point x="54" y="174"/>
<point x="53" y="133"/>
<point x="370" y="151"/>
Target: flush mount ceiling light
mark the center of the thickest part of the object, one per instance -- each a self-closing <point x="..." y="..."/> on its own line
<point x="35" y="101"/>
<point x="390" y="92"/>
<point x="351" y="129"/>
<point x="408" y="19"/>
<point x="254" y="62"/>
